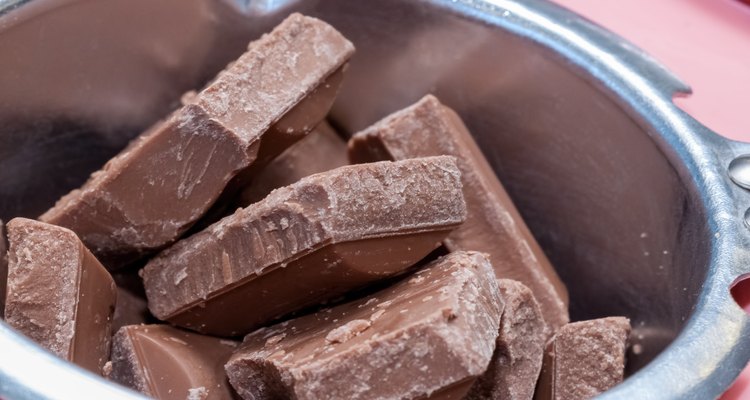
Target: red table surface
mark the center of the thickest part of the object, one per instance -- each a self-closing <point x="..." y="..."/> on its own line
<point x="707" y="44"/>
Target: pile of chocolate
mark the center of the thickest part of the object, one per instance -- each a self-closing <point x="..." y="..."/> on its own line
<point x="408" y="274"/>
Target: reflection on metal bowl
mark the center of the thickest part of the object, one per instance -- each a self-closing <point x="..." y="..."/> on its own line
<point x="627" y="194"/>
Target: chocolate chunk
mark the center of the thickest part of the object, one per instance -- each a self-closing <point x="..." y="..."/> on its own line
<point x="169" y="363"/>
<point x="322" y="150"/>
<point x="59" y="295"/>
<point x="584" y="359"/>
<point x="493" y="224"/>
<point x="514" y="369"/>
<point x="153" y="191"/>
<point x="3" y="267"/>
<point x="431" y="335"/>
<point x="319" y="238"/>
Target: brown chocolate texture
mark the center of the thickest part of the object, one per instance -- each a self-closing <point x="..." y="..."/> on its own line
<point x="305" y="243"/>
<point x="164" y="181"/>
<point x="493" y="224"/>
<point x="432" y="334"/>
<point x="321" y="150"/>
<point x="584" y="359"/>
<point x="514" y="369"/>
<point x="168" y="363"/>
<point x="59" y="295"/>
<point x="3" y="267"/>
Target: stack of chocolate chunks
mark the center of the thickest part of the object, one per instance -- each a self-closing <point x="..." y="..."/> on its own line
<point x="408" y="274"/>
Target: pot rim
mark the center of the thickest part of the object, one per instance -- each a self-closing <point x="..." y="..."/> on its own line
<point x="709" y="352"/>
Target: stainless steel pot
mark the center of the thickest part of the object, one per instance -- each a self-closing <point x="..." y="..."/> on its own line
<point x="629" y="195"/>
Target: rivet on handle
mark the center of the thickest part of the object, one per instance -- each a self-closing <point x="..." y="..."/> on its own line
<point x="739" y="171"/>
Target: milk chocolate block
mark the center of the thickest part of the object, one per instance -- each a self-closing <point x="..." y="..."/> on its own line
<point x="514" y="369"/>
<point x="153" y="191"/>
<point x="59" y="295"/>
<point x="322" y="150"/>
<point x="493" y="224"/>
<point x="431" y="335"/>
<point x="317" y="239"/>
<point x="168" y="363"/>
<point x="3" y="267"/>
<point x="584" y="359"/>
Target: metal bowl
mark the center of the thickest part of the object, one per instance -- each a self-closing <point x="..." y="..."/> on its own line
<point x="629" y="196"/>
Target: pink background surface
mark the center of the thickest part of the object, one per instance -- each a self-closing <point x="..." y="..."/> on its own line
<point x="707" y="44"/>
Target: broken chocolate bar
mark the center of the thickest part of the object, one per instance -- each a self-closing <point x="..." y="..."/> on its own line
<point x="493" y="224"/>
<point x="169" y="363"/>
<point x="584" y="359"/>
<point x="59" y="295"/>
<point x="322" y="150"/>
<point x="153" y="191"/>
<point x="3" y="267"/>
<point x="312" y="241"/>
<point x="431" y="335"/>
<point x="514" y="369"/>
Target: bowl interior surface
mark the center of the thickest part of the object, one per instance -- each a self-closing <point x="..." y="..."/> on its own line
<point x="80" y="78"/>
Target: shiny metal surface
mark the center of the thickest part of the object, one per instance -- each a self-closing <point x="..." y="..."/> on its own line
<point x="629" y="196"/>
<point x="739" y="171"/>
